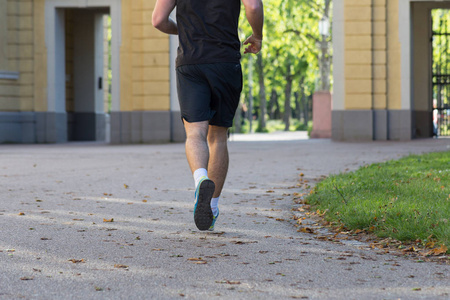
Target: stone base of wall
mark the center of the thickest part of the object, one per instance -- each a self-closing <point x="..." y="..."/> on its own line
<point x="17" y="127"/>
<point x="140" y="127"/>
<point x="363" y="125"/>
<point x="321" y="115"/>
<point x="348" y="125"/>
<point x="177" y="135"/>
<point x="32" y="127"/>
<point x="125" y="128"/>
<point x="86" y="127"/>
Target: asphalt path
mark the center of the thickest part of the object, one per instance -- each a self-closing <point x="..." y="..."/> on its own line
<point x="85" y="221"/>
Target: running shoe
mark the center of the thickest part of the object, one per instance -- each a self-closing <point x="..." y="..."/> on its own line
<point x="211" y="228"/>
<point x="203" y="215"/>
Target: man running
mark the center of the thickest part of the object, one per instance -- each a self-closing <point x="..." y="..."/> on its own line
<point x="209" y="83"/>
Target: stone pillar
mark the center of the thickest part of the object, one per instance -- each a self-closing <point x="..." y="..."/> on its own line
<point x="321" y="115"/>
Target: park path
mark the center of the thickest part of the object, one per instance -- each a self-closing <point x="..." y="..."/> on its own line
<point x="85" y="221"/>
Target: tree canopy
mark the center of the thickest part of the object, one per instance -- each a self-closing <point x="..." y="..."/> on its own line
<point x="287" y="70"/>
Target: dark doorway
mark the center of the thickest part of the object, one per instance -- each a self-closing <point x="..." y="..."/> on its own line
<point x="86" y="47"/>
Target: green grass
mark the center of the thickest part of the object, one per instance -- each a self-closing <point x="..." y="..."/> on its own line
<point x="276" y="125"/>
<point x="406" y="199"/>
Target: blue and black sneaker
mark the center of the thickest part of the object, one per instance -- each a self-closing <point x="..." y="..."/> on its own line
<point x="203" y="215"/>
<point x="215" y="217"/>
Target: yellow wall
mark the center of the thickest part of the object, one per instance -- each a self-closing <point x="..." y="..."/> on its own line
<point x="17" y="95"/>
<point x="40" y="57"/>
<point x="144" y="60"/>
<point x="394" y="56"/>
<point x="372" y="55"/>
<point x="358" y="54"/>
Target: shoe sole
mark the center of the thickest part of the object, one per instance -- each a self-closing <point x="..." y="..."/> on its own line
<point x="203" y="215"/>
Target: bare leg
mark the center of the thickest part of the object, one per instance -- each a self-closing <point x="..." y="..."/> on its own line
<point x="197" y="151"/>
<point x="218" y="157"/>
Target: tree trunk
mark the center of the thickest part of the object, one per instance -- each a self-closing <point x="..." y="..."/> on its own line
<point x="277" y="113"/>
<point x="297" y="110"/>
<point x="272" y="101"/>
<point x="287" y="99"/>
<point x="305" y="110"/>
<point x="262" y="94"/>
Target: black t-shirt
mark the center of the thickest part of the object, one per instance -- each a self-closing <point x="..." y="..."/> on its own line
<point x="208" y="31"/>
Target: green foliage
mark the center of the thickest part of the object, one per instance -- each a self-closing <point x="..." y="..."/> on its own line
<point x="275" y="125"/>
<point x="408" y="199"/>
<point x="290" y="39"/>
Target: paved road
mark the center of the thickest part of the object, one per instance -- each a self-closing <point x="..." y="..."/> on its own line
<point x="56" y="198"/>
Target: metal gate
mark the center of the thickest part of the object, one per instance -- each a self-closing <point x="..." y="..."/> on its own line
<point x="441" y="71"/>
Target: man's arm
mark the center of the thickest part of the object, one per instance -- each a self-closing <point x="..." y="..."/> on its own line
<point x="161" y="19"/>
<point x="255" y="15"/>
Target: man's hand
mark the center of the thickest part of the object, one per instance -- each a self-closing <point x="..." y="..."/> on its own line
<point x="254" y="45"/>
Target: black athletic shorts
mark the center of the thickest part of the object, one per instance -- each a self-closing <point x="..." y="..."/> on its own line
<point x="209" y="92"/>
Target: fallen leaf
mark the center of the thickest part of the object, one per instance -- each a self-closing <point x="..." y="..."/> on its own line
<point x="26" y="278"/>
<point x="108" y="220"/>
<point x="410" y="249"/>
<point x="198" y="260"/>
<point x="430" y="244"/>
<point x="126" y="186"/>
<point x="228" y="282"/>
<point x="145" y="201"/>
<point x="21" y="214"/>
<point x="306" y="230"/>
<point x="119" y="266"/>
<point x="438" y="251"/>
<point x="76" y="261"/>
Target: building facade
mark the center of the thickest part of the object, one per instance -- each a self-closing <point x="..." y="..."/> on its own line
<point x="86" y="70"/>
<point x="383" y="86"/>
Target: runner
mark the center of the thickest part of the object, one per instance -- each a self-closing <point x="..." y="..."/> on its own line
<point x="209" y="83"/>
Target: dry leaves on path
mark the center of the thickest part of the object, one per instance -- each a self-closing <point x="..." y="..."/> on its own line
<point x="228" y="282"/>
<point x="120" y="266"/>
<point x="77" y="261"/>
<point x="197" y="260"/>
<point x="26" y="278"/>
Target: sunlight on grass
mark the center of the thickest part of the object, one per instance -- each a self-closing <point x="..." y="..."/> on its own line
<point x="407" y="199"/>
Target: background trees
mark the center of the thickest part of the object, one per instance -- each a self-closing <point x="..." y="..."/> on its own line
<point x="283" y="77"/>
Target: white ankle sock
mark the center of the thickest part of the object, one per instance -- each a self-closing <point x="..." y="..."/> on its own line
<point x="215" y="205"/>
<point x="198" y="174"/>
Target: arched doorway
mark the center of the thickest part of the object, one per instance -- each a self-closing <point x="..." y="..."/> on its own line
<point x="75" y="73"/>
